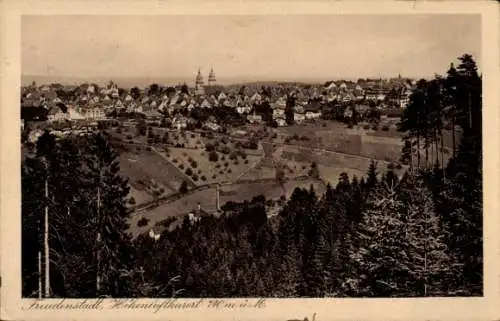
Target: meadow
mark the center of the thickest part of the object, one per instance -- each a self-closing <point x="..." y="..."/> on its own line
<point x="206" y="199"/>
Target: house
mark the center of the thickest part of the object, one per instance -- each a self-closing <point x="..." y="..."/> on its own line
<point x="371" y="95"/>
<point x="245" y="109"/>
<point x="196" y="215"/>
<point x="56" y="114"/>
<point x="153" y="114"/>
<point x="212" y="125"/>
<point x="299" y="117"/>
<point x="34" y="135"/>
<point x="313" y="115"/>
<point x="205" y="104"/>
<point x="298" y="109"/>
<point x="90" y="89"/>
<point x="74" y="115"/>
<point x="222" y="96"/>
<point x="278" y="113"/>
<point x="179" y="122"/>
<point x="330" y="86"/>
<point x="94" y="114"/>
<point x="256" y="98"/>
<point x="279" y="104"/>
<point x="347" y="98"/>
<point x="280" y="121"/>
<point x="253" y="118"/>
<point x="405" y="99"/>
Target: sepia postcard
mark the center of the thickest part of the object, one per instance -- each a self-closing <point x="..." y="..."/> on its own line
<point x="277" y="161"/>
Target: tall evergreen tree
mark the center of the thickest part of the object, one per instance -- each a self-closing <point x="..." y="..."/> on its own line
<point x="412" y="261"/>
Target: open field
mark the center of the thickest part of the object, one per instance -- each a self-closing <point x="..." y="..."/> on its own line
<point x="149" y="172"/>
<point x="224" y="169"/>
<point x="140" y="196"/>
<point x="206" y="199"/>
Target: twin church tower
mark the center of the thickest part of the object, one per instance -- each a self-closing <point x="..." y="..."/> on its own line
<point x="199" y="83"/>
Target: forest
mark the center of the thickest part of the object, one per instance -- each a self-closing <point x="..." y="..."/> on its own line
<point x="374" y="236"/>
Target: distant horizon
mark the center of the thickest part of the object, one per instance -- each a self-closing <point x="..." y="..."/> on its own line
<point x="169" y="80"/>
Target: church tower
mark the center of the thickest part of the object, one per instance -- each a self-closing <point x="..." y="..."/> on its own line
<point x="211" y="77"/>
<point x="199" y="83"/>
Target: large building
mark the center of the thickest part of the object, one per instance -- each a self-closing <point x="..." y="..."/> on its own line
<point x="200" y="88"/>
<point x="199" y="84"/>
<point x="211" y="77"/>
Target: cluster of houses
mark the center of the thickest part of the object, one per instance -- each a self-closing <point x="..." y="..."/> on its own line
<point x="91" y="102"/>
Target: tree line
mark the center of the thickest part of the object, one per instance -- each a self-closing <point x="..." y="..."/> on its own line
<point x="375" y="236"/>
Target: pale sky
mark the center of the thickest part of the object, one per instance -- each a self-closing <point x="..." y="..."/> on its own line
<point x="266" y="47"/>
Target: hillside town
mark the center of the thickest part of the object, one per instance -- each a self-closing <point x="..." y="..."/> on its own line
<point x="179" y="106"/>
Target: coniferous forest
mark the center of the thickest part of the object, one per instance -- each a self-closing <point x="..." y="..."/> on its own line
<point x="374" y="236"/>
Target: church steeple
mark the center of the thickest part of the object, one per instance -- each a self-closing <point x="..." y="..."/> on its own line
<point x="211" y="77"/>
<point x="199" y="78"/>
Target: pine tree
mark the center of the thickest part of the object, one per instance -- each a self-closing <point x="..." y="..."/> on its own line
<point x="107" y="192"/>
<point x="413" y="260"/>
<point x="372" y="180"/>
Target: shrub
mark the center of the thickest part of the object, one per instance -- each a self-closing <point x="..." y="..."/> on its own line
<point x="189" y="171"/>
<point x="129" y="137"/>
<point x="184" y="154"/>
<point x="214" y="176"/>
<point x="181" y="166"/>
<point x="246" y="161"/>
<point x="223" y="158"/>
<point x="175" y="160"/>
<point x="217" y="166"/>
<point x="194" y="164"/>
<point x="236" y="162"/>
<point x="385" y="128"/>
<point x="324" y="124"/>
<point x="193" y="136"/>
<point x="226" y="164"/>
<point x="183" y="188"/>
<point x="221" y="172"/>
<point x="162" y="190"/>
<point x="203" y="178"/>
<point x="229" y="171"/>
<point x="148" y="149"/>
<point x="375" y="127"/>
<point x="131" y="201"/>
<point x="142" y="222"/>
<point x="366" y="126"/>
<point x="213" y="156"/>
<point x="398" y="166"/>
<point x="195" y="177"/>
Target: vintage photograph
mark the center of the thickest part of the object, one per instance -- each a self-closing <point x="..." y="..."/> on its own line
<point x="243" y="156"/>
